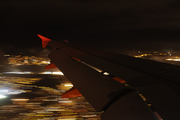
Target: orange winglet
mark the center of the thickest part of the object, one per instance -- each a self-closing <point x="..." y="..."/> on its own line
<point x="72" y="93"/>
<point x="51" y="66"/>
<point x="45" y="40"/>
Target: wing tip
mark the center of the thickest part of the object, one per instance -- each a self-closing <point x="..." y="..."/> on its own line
<point x="45" y="40"/>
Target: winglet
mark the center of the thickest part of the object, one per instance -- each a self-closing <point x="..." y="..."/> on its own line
<point x="45" y="40"/>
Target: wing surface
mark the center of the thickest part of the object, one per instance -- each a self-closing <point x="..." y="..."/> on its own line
<point x="120" y="86"/>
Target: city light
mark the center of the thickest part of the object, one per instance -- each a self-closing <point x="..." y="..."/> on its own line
<point x="68" y="85"/>
<point x="19" y="99"/>
<point x="160" y="56"/>
<point x="27" y="60"/>
<point x="27" y="72"/>
<point x="6" y="55"/>
<point x="4" y="91"/>
<point x="57" y="73"/>
<point x="137" y="56"/>
<point x="171" y="59"/>
<point x="52" y="73"/>
<point x="65" y="101"/>
<point x="2" y="96"/>
<point x="48" y="103"/>
<point x="45" y="62"/>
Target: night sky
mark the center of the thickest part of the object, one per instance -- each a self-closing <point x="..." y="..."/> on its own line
<point x="115" y="24"/>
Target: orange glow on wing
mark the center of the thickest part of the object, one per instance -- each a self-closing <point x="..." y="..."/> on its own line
<point x="72" y="93"/>
<point x="51" y="66"/>
<point x="76" y="59"/>
<point x="119" y="80"/>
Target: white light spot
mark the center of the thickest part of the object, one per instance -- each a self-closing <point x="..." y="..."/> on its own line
<point x="2" y="96"/>
<point x="68" y="85"/>
<point x="106" y="73"/>
<point x="57" y="73"/>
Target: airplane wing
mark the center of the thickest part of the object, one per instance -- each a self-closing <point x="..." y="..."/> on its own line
<point x="122" y="87"/>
